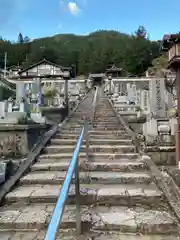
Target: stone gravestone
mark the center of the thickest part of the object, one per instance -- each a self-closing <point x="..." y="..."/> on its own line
<point x="158" y="114"/>
<point x="2" y="109"/>
<point x="131" y="93"/>
<point x="144" y="102"/>
<point x="36" y="93"/>
<point x="170" y="103"/>
<point x="20" y="92"/>
<point x="116" y="88"/>
<point x="134" y="93"/>
<point x="157" y="98"/>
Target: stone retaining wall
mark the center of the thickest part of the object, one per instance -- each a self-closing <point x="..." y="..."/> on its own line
<point x="136" y="124"/>
<point x="161" y="155"/>
<point x="17" y="140"/>
<point x="54" y="114"/>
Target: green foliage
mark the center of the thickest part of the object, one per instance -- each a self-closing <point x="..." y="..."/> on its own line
<point x="141" y="32"/>
<point x="22" y="120"/>
<point x="92" y="53"/>
<point x="5" y="93"/>
<point x="25" y="120"/>
<point x="50" y="92"/>
<point x="158" y="66"/>
<point x="138" y="109"/>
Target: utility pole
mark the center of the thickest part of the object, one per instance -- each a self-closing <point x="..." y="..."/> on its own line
<point x="5" y="64"/>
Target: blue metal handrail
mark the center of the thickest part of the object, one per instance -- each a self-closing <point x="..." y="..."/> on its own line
<point x="59" y="208"/>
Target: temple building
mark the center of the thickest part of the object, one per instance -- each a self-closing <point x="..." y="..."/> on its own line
<point x="114" y="72"/>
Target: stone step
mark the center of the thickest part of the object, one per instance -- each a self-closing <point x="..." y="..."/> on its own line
<point x="67" y="135"/>
<point x="37" y="217"/>
<point x="103" y="121"/>
<point x="133" y="220"/>
<point x="100" y="156"/>
<point x="71" y="235"/>
<point x="102" y="131"/>
<point x="56" y="177"/>
<point x="146" y="196"/>
<point x="97" y="132"/>
<point x="93" y="141"/>
<point x="92" y="148"/>
<point x="114" y="166"/>
<point x="116" y="235"/>
<point x="97" y="126"/>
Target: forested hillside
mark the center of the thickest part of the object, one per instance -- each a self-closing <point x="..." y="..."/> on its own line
<point x="92" y="53"/>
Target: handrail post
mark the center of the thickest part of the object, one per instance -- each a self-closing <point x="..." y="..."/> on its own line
<point x="86" y="133"/>
<point x="78" y="199"/>
<point x="94" y="104"/>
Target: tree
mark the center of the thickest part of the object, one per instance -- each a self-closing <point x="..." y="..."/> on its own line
<point x="20" y="38"/>
<point x="141" y="32"/>
<point x="26" y="39"/>
<point x="91" y="53"/>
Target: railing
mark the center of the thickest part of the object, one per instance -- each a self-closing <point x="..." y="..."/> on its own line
<point x="59" y="209"/>
<point x="95" y="102"/>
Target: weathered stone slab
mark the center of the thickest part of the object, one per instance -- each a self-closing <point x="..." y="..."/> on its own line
<point x="22" y="193"/>
<point x="8" y="218"/>
<point x="121" y="236"/>
<point x="75" y="135"/>
<point x="55" y="177"/>
<point x="114" y="166"/>
<point x="92" y="148"/>
<point x="37" y="217"/>
<point x="133" y="220"/>
<point x="7" y="236"/>
<point x="24" y="236"/>
<point x="112" y="219"/>
<point x="156" y="222"/>
<point x="121" y="177"/>
<point x="40" y="178"/>
<point x="126" y="195"/>
<point x="130" y="196"/>
<point x="92" y="141"/>
<point x="95" y="156"/>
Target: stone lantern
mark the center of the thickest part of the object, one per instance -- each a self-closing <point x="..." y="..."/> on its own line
<point x="171" y="44"/>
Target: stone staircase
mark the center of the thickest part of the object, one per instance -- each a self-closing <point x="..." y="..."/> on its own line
<point x="118" y="196"/>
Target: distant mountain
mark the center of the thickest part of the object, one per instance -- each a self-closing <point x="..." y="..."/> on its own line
<point x="90" y="53"/>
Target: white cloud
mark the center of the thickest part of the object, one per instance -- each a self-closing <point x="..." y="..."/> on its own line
<point x="73" y="8"/>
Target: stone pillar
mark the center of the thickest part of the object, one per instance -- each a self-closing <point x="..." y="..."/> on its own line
<point x="116" y="88"/>
<point x="20" y="91"/>
<point x="144" y="101"/>
<point x="66" y="98"/>
<point x="157" y="98"/>
<point x="10" y="105"/>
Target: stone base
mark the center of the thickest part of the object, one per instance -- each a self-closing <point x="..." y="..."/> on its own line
<point x="17" y="140"/>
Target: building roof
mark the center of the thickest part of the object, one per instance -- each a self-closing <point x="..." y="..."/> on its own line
<point x="169" y="39"/>
<point x="113" y="68"/>
<point x="96" y="75"/>
<point x="14" y="67"/>
<point x="41" y="62"/>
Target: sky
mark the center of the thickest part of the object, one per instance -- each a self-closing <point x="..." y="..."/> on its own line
<point x="41" y="18"/>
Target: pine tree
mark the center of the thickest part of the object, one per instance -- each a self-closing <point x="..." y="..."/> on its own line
<point x="20" y="38"/>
